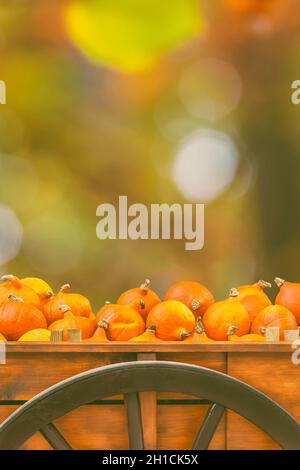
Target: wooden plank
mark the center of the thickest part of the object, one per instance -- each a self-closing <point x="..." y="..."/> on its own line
<point x="88" y="427"/>
<point x="277" y="377"/>
<point x="177" y="427"/>
<point x="149" y="410"/>
<point x="25" y="376"/>
<point x="242" y="435"/>
<point x="186" y="419"/>
<point x="166" y="346"/>
<point x="267" y="367"/>
<point x="215" y="361"/>
<point x="104" y="427"/>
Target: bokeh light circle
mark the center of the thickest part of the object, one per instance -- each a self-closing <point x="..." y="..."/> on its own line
<point x="205" y="165"/>
<point x="210" y="89"/>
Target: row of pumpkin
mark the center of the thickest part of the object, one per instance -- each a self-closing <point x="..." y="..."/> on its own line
<point x="29" y="311"/>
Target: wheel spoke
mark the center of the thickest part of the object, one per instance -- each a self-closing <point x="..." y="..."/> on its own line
<point x="54" y="437"/>
<point x="134" y="421"/>
<point x="208" y="427"/>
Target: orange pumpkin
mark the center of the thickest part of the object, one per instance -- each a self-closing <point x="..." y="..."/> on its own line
<point x="173" y="320"/>
<point x="17" y="317"/>
<point x="274" y="315"/>
<point x="79" y="305"/>
<point x="289" y="296"/>
<point x="251" y="337"/>
<point x="121" y="322"/>
<point x="149" y="297"/>
<point x="193" y="294"/>
<point x="13" y="285"/>
<point x="86" y="325"/>
<point x="147" y="337"/>
<point x="98" y="337"/>
<point x="253" y="297"/>
<point x="43" y="290"/>
<point x="249" y="7"/>
<point x="221" y="315"/>
<point x="2" y="338"/>
<point x="199" y="335"/>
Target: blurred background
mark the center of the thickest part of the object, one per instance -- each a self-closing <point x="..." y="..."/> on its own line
<point x="182" y="101"/>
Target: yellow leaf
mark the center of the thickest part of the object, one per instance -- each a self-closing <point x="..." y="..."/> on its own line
<point x="130" y="35"/>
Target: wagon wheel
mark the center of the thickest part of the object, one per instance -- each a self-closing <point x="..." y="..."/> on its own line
<point x="131" y="378"/>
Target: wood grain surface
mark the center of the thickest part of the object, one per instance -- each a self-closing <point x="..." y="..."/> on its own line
<point x="170" y="420"/>
<point x="167" y="346"/>
<point x="276" y="376"/>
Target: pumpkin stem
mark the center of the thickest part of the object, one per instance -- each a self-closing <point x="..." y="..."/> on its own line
<point x="142" y="304"/>
<point x="233" y="292"/>
<point x="14" y="298"/>
<point x="195" y="304"/>
<point x="103" y="324"/>
<point x="145" y="286"/>
<point x="64" y="308"/>
<point x="184" y="334"/>
<point x="13" y="279"/>
<point x="279" y="282"/>
<point x="199" y="326"/>
<point x="151" y="328"/>
<point x="263" y="284"/>
<point x="231" y="330"/>
<point x="65" y="288"/>
<point x="107" y="302"/>
<point x="262" y="330"/>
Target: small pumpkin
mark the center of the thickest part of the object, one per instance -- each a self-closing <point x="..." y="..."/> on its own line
<point x="149" y="297"/>
<point x="250" y="337"/>
<point x="79" y="305"/>
<point x="221" y="315"/>
<point x="98" y="337"/>
<point x="199" y="335"/>
<point x="147" y="337"/>
<point x="13" y="285"/>
<point x="254" y="298"/>
<point x="173" y="320"/>
<point x="121" y="322"/>
<point x="2" y="338"/>
<point x="43" y="290"/>
<point x="86" y="325"/>
<point x="193" y="294"/>
<point x="274" y="315"/>
<point x="17" y="317"/>
<point x="39" y="335"/>
<point x="289" y="296"/>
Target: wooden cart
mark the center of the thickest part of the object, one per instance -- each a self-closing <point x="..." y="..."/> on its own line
<point x="171" y="420"/>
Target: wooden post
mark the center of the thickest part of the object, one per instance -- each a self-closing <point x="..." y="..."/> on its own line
<point x="272" y="333"/>
<point x="74" y="335"/>
<point x="57" y="336"/>
<point x="148" y="410"/>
